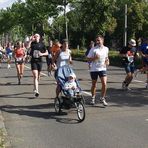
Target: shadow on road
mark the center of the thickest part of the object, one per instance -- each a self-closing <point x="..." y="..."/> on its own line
<point x="136" y="97"/>
<point x="38" y="111"/>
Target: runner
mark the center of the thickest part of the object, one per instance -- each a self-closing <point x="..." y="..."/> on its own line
<point x="128" y="55"/>
<point x="98" y="56"/>
<point x="1" y="55"/>
<point x="38" y="50"/>
<point x="49" y="58"/>
<point x="61" y="58"/>
<point x="19" y="56"/>
<point x="91" y="45"/>
<point x="9" y="52"/>
<point x="144" y="55"/>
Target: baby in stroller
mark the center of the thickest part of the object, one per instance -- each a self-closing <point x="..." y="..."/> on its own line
<point x="67" y="81"/>
<point x="71" y="86"/>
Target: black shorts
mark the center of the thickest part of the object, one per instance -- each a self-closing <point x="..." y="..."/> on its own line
<point x="20" y="62"/>
<point x="94" y="75"/>
<point x="36" y="65"/>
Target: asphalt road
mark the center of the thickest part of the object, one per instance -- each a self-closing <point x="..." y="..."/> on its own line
<point x="32" y="123"/>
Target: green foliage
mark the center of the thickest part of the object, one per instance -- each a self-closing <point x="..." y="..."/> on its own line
<point x="2" y="139"/>
<point x="86" y="19"/>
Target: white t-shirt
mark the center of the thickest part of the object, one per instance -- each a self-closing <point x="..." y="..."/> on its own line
<point x="63" y="58"/>
<point x="99" y="64"/>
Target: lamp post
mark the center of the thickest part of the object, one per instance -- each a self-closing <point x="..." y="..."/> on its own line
<point x="125" y="26"/>
<point x="65" y="16"/>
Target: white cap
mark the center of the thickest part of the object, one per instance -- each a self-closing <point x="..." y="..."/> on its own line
<point x="37" y="34"/>
<point x="72" y="75"/>
<point x="132" y="42"/>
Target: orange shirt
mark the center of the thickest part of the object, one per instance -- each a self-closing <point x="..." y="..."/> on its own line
<point x="19" y="52"/>
<point x="55" y="48"/>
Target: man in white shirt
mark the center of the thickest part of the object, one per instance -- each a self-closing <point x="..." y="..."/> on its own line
<point x="98" y="55"/>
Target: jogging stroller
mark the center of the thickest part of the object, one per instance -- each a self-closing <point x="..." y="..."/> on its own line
<point x="66" y="99"/>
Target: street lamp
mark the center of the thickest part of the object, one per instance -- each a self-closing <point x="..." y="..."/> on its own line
<point x="125" y="26"/>
<point x="65" y="16"/>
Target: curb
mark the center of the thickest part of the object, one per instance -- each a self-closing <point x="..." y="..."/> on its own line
<point x="4" y="132"/>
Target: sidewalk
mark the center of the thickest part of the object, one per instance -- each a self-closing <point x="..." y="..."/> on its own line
<point x="4" y="142"/>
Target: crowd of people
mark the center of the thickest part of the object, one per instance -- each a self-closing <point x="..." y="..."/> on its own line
<point x="58" y="54"/>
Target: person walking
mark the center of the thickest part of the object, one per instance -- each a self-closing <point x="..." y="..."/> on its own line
<point x="38" y="50"/>
<point x="98" y="56"/>
<point x="62" y="58"/>
<point x="19" y="56"/>
<point x="128" y="55"/>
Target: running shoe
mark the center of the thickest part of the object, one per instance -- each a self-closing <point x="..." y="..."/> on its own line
<point x="36" y="93"/>
<point x="103" y="101"/>
<point x="136" y="73"/>
<point x="123" y="85"/>
<point x="19" y="82"/>
<point x="8" y="66"/>
<point x="146" y="85"/>
<point x="92" y="102"/>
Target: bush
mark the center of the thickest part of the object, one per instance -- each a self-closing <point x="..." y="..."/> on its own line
<point x="115" y="59"/>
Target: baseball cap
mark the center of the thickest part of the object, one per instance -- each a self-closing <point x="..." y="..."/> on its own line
<point x="132" y="42"/>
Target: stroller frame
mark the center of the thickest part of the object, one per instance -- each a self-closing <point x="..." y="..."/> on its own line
<point x="65" y="101"/>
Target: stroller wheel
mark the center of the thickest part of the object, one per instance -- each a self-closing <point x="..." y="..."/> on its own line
<point x="83" y="100"/>
<point x="57" y="105"/>
<point x="80" y="111"/>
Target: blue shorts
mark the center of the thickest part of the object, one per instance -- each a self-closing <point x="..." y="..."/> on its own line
<point x="129" y="68"/>
<point x="94" y="74"/>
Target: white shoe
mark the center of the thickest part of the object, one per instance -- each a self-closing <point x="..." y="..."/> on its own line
<point x="36" y="93"/>
<point x="92" y="101"/>
<point x="8" y="66"/>
<point x="146" y="85"/>
<point x="136" y="73"/>
<point x="127" y="88"/>
<point x="103" y="101"/>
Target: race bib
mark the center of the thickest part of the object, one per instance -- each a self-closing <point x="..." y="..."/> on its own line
<point x="19" y="59"/>
<point x="130" y="59"/>
<point x="36" y="53"/>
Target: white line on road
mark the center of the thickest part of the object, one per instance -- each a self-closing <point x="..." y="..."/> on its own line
<point x="87" y="93"/>
<point x="138" y="81"/>
<point x="41" y="72"/>
<point x="84" y="92"/>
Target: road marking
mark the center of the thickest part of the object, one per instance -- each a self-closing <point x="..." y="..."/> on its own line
<point x="138" y="81"/>
<point x="84" y="92"/>
<point x="41" y="72"/>
<point x="87" y="93"/>
<point x="146" y="119"/>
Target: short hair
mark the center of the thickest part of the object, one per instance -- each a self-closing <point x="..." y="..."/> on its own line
<point x="64" y="41"/>
<point x="100" y="35"/>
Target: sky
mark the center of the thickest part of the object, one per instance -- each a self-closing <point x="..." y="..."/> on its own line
<point x="6" y="3"/>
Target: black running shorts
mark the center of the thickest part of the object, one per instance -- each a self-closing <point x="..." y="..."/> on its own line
<point x="36" y="65"/>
